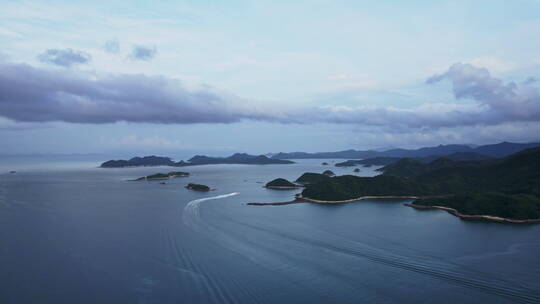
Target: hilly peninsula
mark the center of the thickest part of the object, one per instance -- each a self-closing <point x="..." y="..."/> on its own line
<point x="504" y="190"/>
<point x="238" y="158"/>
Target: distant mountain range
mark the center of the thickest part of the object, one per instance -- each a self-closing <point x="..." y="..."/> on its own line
<point x="495" y="150"/>
<point x="238" y="158"/>
<point x="383" y="161"/>
<point x="455" y="152"/>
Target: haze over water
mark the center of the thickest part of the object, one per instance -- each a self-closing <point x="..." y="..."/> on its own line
<point x="81" y="234"/>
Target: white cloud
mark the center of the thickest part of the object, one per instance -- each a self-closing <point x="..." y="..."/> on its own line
<point x="493" y="63"/>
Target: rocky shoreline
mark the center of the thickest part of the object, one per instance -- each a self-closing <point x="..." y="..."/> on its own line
<point x="282" y="187"/>
<point x="311" y="200"/>
<point x="302" y="199"/>
<point x="296" y="201"/>
<point x="490" y="218"/>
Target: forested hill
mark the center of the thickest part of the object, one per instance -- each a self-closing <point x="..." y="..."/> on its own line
<point x="507" y="187"/>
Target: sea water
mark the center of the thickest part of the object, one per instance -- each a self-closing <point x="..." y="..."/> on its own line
<point x="71" y="232"/>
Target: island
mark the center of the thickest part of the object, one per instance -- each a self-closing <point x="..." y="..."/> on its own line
<point x="324" y="164"/>
<point x="356" y="170"/>
<point x="281" y="183"/>
<point x="500" y="190"/>
<point x="172" y="174"/>
<point x="198" y="187"/>
<point x="139" y="162"/>
<point x="238" y="158"/>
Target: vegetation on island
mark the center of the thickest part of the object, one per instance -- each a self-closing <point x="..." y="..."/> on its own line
<point x="329" y="173"/>
<point x="507" y="187"/>
<point x="238" y="158"/>
<point x="164" y="175"/>
<point x="139" y="162"/>
<point x="311" y="178"/>
<point x="512" y="206"/>
<point x="154" y="176"/>
<point x="384" y="161"/>
<point x="198" y="187"/>
<point x="281" y="183"/>
<point x="348" y="163"/>
<point x="368" y="162"/>
<point x="347" y="187"/>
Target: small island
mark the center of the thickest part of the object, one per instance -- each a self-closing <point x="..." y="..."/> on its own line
<point x="281" y="183"/>
<point x="324" y="164"/>
<point x="139" y="162"/>
<point x="158" y="176"/>
<point x="356" y="170"/>
<point x="198" y="187"/>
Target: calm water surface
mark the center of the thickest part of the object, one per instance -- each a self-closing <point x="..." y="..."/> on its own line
<point x="74" y="233"/>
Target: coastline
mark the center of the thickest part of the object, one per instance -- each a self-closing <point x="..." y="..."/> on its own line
<point x="302" y="199"/>
<point x="489" y="218"/>
<point x="295" y="201"/>
<point x="311" y="200"/>
<point x="282" y="187"/>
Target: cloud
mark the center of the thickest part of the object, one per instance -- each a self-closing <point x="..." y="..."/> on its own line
<point x="11" y="125"/>
<point x="351" y="81"/>
<point x="30" y="94"/>
<point x="493" y="64"/>
<point x="502" y="102"/>
<point x="65" y="58"/>
<point x="144" y="53"/>
<point x="112" y="46"/>
<point x="530" y="80"/>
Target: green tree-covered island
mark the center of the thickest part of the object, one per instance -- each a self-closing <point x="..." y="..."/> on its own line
<point x="281" y="183"/>
<point x="158" y="176"/>
<point x="198" y="187"/>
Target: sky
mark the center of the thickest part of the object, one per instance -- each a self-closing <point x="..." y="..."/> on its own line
<point x="218" y="77"/>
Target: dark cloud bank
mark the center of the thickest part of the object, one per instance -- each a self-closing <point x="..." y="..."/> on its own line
<point x="31" y="94"/>
<point x="65" y="58"/>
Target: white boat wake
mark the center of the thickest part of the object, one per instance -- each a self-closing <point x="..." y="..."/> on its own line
<point x="191" y="215"/>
